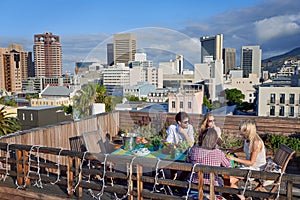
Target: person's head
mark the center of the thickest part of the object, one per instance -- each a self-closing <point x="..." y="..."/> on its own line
<point x="208" y="121"/>
<point x="182" y="119"/>
<point x="248" y="129"/>
<point x="209" y="139"/>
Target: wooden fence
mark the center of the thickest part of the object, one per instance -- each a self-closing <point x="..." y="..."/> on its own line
<point x="58" y="135"/>
<point x="27" y="166"/>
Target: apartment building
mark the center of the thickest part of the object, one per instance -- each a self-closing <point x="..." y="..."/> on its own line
<point x="278" y="101"/>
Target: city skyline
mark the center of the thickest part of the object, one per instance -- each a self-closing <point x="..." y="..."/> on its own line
<point x="272" y="24"/>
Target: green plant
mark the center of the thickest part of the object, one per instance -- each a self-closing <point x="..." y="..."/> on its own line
<point x="183" y="145"/>
<point x="274" y="141"/>
<point x="155" y="141"/>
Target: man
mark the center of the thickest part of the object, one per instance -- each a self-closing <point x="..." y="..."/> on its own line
<point x="181" y="131"/>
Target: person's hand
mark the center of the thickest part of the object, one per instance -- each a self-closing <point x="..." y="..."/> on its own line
<point x="180" y="130"/>
<point x="229" y="157"/>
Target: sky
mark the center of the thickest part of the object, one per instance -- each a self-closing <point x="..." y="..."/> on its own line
<point x="85" y="27"/>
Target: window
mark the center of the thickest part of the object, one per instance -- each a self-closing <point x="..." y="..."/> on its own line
<point x="292" y="98"/>
<point x="272" y="98"/>
<point x="173" y="104"/>
<point x="272" y="111"/>
<point x="281" y="111"/>
<point x="292" y="111"/>
<point x="23" y="116"/>
<point x="31" y="117"/>
<point x="189" y="105"/>
<point x="181" y="104"/>
<point x="282" y="98"/>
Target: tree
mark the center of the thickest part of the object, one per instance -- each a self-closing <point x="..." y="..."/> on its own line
<point x="207" y="103"/>
<point x="101" y="97"/>
<point x="8" y="123"/>
<point x="234" y="97"/>
<point x="68" y="109"/>
<point x="83" y="101"/>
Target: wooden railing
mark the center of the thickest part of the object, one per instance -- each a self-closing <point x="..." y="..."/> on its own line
<point x="25" y="163"/>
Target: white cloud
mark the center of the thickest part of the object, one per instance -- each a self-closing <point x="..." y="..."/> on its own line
<point x="273" y="27"/>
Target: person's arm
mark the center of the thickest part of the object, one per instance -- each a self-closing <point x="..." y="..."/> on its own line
<point x="256" y="148"/>
<point x="224" y="161"/>
<point x="186" y="136"/>
<point x="170" y="135"/>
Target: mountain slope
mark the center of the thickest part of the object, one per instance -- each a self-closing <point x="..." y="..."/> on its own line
<point x="274" y="63"/>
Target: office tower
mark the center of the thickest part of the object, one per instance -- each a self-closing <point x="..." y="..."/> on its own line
<point x="212" y="46"/>
<point x="110" y="54"/>
<point x="229" y="59"/>
<point x="47" y="55"/>
<point x="124" y="48"/>
<point x="251" y="60"/>
<point x="14" y="66"/>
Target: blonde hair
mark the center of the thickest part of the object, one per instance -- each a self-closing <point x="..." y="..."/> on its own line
<point x="249" y="126"/>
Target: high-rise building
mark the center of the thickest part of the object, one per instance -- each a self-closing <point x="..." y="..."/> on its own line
<point x="229" y="59"/>
<point x="110" y="54"/>
<point x="251" y="60"/>
<point x="47" y="55"/>
<point x="124" y="48"/>
<point x="14" y="66"/>
<point x="212" y="46"/>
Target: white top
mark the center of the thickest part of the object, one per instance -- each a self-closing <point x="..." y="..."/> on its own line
<point x="260" y="159"/>
<point x="173" y="135"/>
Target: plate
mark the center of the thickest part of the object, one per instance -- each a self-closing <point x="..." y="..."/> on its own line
<point x="141" y="152"/>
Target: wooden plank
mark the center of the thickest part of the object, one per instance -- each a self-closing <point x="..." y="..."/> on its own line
<point x="212" y="185"/>
<point x="19" y="167"/>
<point x="139" y="172"/>
<point x="70" y="176"/>
<point x="26" y="167"/>
<point x="78" y="175"/>
<point x="200" y="185"/>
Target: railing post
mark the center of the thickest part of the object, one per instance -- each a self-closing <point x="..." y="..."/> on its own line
<point x="139" y="173"/>
<point x="212" y="185"/>
<point x="130" y="195"/>
<point x="78" y="175"/>
<point x="289" y="190"/>
<point x="19" y="166"/>
<point x="70" y="176"/>
<point x="200" y="185"/>
<point x="26" y="167"/>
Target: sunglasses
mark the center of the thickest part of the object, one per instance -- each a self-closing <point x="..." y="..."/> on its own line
<point x="213" y="120"/>
<point x="185" y="122"/>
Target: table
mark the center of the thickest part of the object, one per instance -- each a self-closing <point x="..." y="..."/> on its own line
<point x="153" y="154"/>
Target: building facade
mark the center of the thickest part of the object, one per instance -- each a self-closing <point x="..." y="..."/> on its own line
<point x="15" y="65"/>
<point x="47" y="55"/>
<point x="124" y="48"/>
<point x="229" y="59"/>
<point x="212" y="46"/>
<point x="278" y="101"/>
<point x="251" y="60"/>
<point x="189" y="101"/>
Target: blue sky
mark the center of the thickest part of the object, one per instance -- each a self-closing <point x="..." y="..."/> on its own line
<point x="172" y="25"/>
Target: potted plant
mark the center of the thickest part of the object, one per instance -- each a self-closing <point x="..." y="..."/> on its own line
<point x="155" y="143"/>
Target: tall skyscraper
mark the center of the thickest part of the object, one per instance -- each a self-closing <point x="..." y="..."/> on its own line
<point x="124" y="48"/>
<point x="47" y="55"/>
<point x="251" y="60"/>
<point x="110" y="54"/>
<point x="212" y="46"/>
<point x="14" y="66"/>
<point x="229" y="59"/>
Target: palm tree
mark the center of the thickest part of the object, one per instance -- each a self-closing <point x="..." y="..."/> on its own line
<point x="83" y="100"/>
<point x="8" y="123"/>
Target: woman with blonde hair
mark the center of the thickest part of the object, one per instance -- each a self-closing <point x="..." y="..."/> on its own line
<point x="254" y="149"/>
<point x="208" y="122"/>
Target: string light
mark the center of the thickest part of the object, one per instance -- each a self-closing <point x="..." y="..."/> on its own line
<point x="58" y="167"/>
<point x="247" y="181"/>
<point x="190" y="180"/>
<point x="6" y="162"/>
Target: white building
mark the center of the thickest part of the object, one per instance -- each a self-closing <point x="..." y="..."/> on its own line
<point x="278" y="101"/>
<point x="189" y="101"/>
<point x="116" y="76"/>
<point x="245" y="85"/>
<point x="152" y="75"/>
